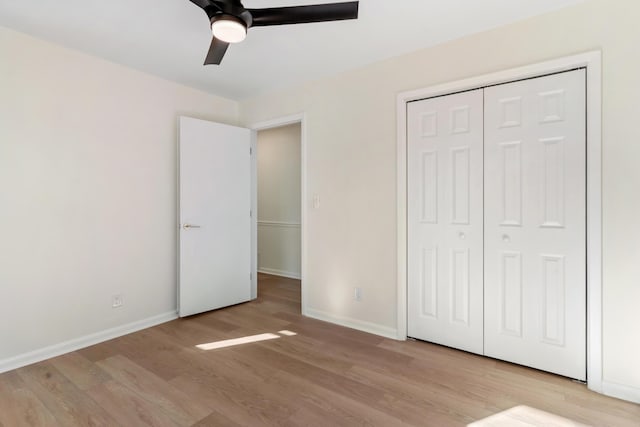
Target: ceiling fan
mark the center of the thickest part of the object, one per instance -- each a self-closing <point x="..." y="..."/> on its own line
<point x="230" y="20"/>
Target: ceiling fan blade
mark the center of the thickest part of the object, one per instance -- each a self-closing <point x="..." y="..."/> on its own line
<point x="209" y="6"/>
<point x="304" y="14"/>
<point x="203" y="3"/>
<point x="216" y="52"/>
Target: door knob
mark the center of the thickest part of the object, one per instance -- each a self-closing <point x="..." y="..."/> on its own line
<point x="461" y="235"/>
<point x="187" y="226"/>
<point x="506" y="238"/>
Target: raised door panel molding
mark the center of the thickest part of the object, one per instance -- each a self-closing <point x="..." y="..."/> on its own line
<point x="429" y="124"/>
<point x="552" y="106"/>
<point x="553" y="177"/>
<point x="460" y="121"/>
<point x="429" y="187"/>
<point x="511" y="294"/>
<point x="510" y="112"/>
<point x="429" y="282"/>
<point x="460" y="286"/>
<point x="511" y="183"/>
<point x="460" y="183"/>
<point x="553" y="301"/>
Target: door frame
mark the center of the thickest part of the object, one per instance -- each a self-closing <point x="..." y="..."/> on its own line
<point x="270" y="124"/>
<point x="592" y="61"/>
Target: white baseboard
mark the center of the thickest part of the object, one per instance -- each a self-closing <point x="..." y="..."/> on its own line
<point x="621" y="391"/>
<point x="281" y="273"/>
<point x="82" y="342"/>
<point x="372" y="328"/>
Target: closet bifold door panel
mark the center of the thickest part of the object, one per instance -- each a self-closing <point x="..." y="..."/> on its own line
<point x="535" y="223"/>
<point x="445" y="246"/>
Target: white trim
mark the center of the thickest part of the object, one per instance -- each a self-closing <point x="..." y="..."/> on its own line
<point x="178" y="227"/>
<point x="279" y="122"/>
<point x="280" y="224"/>
<point x="254" y="214"/>
<point x="594" y="222"/>
<point x="593" y="63"/>
<point x="401" y="216"/>
<point x="372" y="328"/>
<point x="281" y="273"/>
<point x="82" y="342"/>
<point x="621" y="391"/>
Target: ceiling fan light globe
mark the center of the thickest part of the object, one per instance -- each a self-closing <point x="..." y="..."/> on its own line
<point x="228" y="30"/>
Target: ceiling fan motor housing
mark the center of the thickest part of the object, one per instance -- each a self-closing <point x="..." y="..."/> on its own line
<point x="229" y="10"/>
<point x="224" y="17"/>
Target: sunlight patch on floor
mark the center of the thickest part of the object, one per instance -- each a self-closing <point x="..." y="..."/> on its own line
<point x="525" y="416"/>
<point x="244" y="340"/>
<point x="237" y="341"/>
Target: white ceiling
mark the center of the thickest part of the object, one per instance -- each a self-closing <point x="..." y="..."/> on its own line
<point x="170" y="38"/>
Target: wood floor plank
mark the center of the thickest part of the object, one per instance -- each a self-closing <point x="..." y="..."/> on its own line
<point x="19" y="406"/>
<point x="80" y="370"/>
<point x="237" y="387"/>
<point x="320" y="406"/>
<point x="101" y="350"/>
<point x="252" y="320"/>
<point x="130" y="409"/>
<point x="314" y="352"/>
<point x="237" y="397"/>
<point x="273" y="306"/>
<point x="431" y="400"/>
<point x="68" y="404"/>
<point x="216" y="419"/>
<point x="319" y="376"/>
<point x="151" y="348"/>
<point x="211" y="322"/>
<point x="329" y="331"/>
<point x="189" y="333"/>
<point x="177" y="404"/>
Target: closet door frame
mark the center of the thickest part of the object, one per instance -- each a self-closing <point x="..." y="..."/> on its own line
<point x="592" y="62"/>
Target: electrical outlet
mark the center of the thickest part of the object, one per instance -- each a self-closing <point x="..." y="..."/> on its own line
<point x="117" y="301"/>
<point x="357" y="294"/>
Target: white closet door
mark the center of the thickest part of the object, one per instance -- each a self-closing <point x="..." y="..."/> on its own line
<point x="535" y="221"/>
<point x="445" y="220"/>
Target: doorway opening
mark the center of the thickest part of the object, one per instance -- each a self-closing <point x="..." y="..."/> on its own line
<point x="279" y="178"/>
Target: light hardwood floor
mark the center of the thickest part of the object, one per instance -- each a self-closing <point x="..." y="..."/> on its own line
<point x="326" y="375"/>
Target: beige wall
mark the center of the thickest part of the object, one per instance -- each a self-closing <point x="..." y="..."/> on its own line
<point x="87" y="192"/>
<point x="279" y="213"/>
<point x="351" y="133"/>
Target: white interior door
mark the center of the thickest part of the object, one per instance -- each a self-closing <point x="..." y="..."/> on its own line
<point x="215" y="262"/>
<point x="535" y="213"/>
<point x="445" y="257"/>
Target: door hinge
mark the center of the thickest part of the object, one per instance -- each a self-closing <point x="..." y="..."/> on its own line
<point x="250" y="213"/>
<point x="250" y="276"/>
<point x="250" y="150"/>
